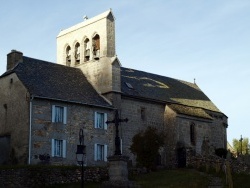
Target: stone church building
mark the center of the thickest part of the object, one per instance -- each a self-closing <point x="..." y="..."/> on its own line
<point x="43" y="105"/>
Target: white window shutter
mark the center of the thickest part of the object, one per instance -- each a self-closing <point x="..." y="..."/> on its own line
<point x="95" y="123"/>
<point x="95" y="152"/>
<point x="53" y="113"/>
<point x="64" y="115"/>
<point x="121" y="145"/>
<point x="105" y="120"/>
<point x="105" y="152"/>
<point x="52" y="147"/>
<point x="64" y="149"/>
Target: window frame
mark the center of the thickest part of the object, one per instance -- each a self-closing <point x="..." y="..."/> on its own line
<point x="87" y="49"/>
<point x="192" y="133"/>
<point x="143" y="113"/>
<point x="64" y="118"/>
<point x="104" y="152"/>
<point x="105" y="118"/>
<point x="62" y="148"/>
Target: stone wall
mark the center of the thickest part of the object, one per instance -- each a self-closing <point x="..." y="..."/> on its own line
<point x="214" y="131"/>
<point x="215" y="163"/>
<point x="132" y="109"/>
<point x="100" y="73"/>
<point x="218" y="130"/>
<point x="35" y="176"/>
<point x="201" y="130"/>
<point x="14" y="116"/>
<point x="102" y="24"/>
<point x="78" y="116"/>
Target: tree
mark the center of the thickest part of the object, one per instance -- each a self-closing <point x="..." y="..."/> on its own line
<point x="146" y="145"/>
<point x="245" y="145"/>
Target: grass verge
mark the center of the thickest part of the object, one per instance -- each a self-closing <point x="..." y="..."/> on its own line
<point x="241" y="180"/>
<point x="173" y="178"/>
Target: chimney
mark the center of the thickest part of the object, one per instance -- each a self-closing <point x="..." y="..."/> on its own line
<point x="13" y="58"/>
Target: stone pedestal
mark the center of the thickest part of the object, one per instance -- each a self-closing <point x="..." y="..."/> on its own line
<point x="118" y="173"/>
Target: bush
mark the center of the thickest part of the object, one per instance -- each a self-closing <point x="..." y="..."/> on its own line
<point x="145" y="145"/>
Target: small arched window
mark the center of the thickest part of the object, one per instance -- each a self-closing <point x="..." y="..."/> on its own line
<point x="96" y="47"/>
<point x="87" y="49"/>
<point x="68" y="56"/>
<point x="77" y="53"/>
<point x="192" y="133"/>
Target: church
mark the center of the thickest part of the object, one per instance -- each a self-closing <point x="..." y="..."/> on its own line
<point x="45" y="104"/>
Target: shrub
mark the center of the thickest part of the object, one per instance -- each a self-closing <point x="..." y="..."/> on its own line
<point x="145" y="145"/>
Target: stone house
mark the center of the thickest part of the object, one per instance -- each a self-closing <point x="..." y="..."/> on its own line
<point x="45" y="104"/>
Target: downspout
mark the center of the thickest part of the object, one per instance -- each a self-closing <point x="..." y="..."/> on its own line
<point x="31" y="98"/>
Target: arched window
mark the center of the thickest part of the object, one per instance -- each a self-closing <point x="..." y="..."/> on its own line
<point x="192" y="133"/>
<point x="77" y="53"/>
<point x="87" y="49"/>
<point x="96" y="47"/>
<point x="68" y="56"/>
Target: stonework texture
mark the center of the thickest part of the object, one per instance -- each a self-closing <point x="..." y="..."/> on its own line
<point x="43" y="131"/>
<point x="26" y="122"/>
<point x="14" y="116"/>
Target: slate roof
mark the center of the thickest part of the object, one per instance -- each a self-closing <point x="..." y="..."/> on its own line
<point x="168" y="90"/>
<point x="49" y="80"/>
<point x="191" y="111"/>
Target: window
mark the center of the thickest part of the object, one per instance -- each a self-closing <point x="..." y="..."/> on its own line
<point x="101" y="152"/>
<point x="100" y="120"/>
<point x="87" y="49"/>
<point x="96" y="47"/>
<point x="192" y="133"/>
<point x="58" y="148"/>
<point x="143" y="113"/>
<point x="68" y="56"/>
<point x="59" y="114"/>
<point x="77" y="53"/>
<point x="129" y="85"/>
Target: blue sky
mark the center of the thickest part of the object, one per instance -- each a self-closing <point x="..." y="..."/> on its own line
<point x="183" y="39"/>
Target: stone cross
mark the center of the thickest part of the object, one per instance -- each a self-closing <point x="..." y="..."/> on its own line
<point x="117" y="121"/>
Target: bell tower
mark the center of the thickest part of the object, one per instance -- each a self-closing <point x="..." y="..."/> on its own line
<point x="90" y="46"/>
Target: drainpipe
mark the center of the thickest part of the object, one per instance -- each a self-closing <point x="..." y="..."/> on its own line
<point x="31" y="98"/>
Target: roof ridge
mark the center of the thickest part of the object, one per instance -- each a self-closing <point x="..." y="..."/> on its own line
<point x="45" y="62"/>
<point x="31" y="58"/>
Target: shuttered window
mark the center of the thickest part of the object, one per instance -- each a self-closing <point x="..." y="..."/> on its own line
<point x="100" y="120"/>
<point x="100" y="152"/>
<point x="59" y="114"/>
<point x="58" y="148"/>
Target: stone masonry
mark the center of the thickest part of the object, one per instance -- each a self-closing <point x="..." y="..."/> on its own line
<point x="43" y="131"/>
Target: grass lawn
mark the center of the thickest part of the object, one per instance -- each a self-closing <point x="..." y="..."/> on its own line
<point x="241" y="180"/>
<point x="173" y="178"/>
<point x="178" y="178"/>
<point x="164" y="178"/>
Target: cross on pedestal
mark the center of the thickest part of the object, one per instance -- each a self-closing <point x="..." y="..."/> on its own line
<point x="241" y="139"/>
<point x="117" y="121"/>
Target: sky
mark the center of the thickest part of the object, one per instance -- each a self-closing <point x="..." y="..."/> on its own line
<point x="208" y="41"/>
